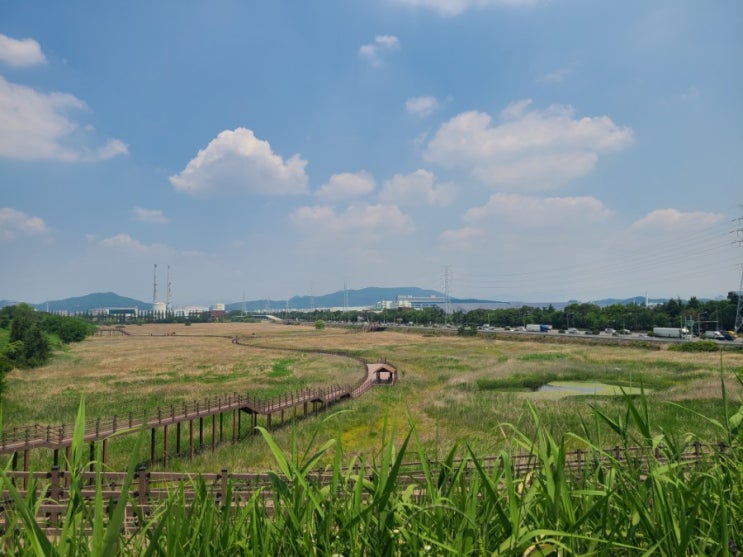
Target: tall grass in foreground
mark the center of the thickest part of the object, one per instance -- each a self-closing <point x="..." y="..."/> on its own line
<point x="459" y="506"/>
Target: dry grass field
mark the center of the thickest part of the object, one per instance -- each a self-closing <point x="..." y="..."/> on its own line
<point x="451" y="388"/>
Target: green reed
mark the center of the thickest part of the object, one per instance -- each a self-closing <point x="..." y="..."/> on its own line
<point x="640" y="498"/>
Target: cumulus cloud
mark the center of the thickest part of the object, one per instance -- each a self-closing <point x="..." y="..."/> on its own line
<point x="36" y="126"/>
<point x="417" y="188"/>
<point x="674" y="220"/>
<point x="456" y="7"/>
<point x="359" y="222"/>
<point x="382" y="46"/>
<point x="421" y="106"/>
<point x="14" y="223"/>
<point x="516" y="210"/>
<point x="346" y="185"/>
<point x="20" y="52"/>
<point x="236" y="161"/>
<point x="526" y="149"/>
<point x="150" y="215"/>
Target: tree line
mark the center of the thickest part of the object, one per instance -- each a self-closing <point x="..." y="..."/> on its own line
<point x="696" y="314"/>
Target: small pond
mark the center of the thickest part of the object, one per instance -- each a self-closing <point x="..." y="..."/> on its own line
<point x="559" y="389"/>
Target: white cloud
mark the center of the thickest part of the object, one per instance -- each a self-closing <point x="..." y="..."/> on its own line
<point x="150" y="215"/>
<point x="238" y="162"/>
<point x="675" y="221"/>
<point x="382" y="46"/>
<point x="112" y="149"/>
<point x="14" y="223"/>
<point x="417" y="188"/>
<point x="456" y="7"/>
<point x="36" y="126"/>
<point x="346" y="185"/>
<point x="557" y="76"/>
<point x="421" y="106"/>
<point x="20" y="52"/>
<point x="522" y="211"/>
<point x="361" y="222"/>
<point x="527" y="149"/>
<point x="124" y="243"/>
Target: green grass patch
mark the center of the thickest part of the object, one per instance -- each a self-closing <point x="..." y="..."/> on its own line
<point x="281" y="368"/>
<point x="543" y="357"/>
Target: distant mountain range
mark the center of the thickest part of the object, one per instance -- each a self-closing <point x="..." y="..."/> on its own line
<point x="364" y="297"/>
<point x="87" y="303"/>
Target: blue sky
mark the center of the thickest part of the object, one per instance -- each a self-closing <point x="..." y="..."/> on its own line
<point x="537" y="150"/>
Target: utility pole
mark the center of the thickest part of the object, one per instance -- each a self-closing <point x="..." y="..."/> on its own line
<point x="447" y="287"/>
<point x="154" y="286"/>
<point x="169" y="298"/>
<point x="739" y="311"/>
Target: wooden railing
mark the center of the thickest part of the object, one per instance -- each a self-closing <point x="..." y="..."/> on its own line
<point x="151" y="488"/>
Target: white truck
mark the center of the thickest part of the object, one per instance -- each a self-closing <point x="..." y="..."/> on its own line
<point x="670" y="332"/>
<point x="534" y="328"/>
<point x="714" y="335"/>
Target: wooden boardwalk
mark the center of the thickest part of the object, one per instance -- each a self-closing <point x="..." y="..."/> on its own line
<point x="24" y="439"/>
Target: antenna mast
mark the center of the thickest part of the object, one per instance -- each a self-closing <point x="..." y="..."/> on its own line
<point x="154" y="285"/>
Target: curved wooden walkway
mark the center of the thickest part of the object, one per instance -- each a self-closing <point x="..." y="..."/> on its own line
<point x="310" y="400"/>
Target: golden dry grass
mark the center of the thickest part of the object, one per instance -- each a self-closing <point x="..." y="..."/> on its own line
<point x="437" y="389"/>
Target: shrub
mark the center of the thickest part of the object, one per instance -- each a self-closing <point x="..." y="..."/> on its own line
<point x="696" y="346"/>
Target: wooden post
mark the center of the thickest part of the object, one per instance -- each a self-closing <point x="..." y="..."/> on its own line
<point x="92" y="456"/>
<point x="268" y="421"/>
<point x="190" y="441"/>
<point x="178" y="439"/>
<point x="234" y="423"/>
<point x="142" y="485"/>
<point x="152" y="445"/>
<point x="165" y="446"/>
<point x="201" y="432"/>
<point x="221" y="427"/>
<point x="56" y="457"/>
<point x="105" y="451"/>
<point x="214" y="431"/>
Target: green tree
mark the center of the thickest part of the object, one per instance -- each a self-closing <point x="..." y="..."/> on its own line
<point x="36" y="347"/>
<point x="23" y="319"/>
